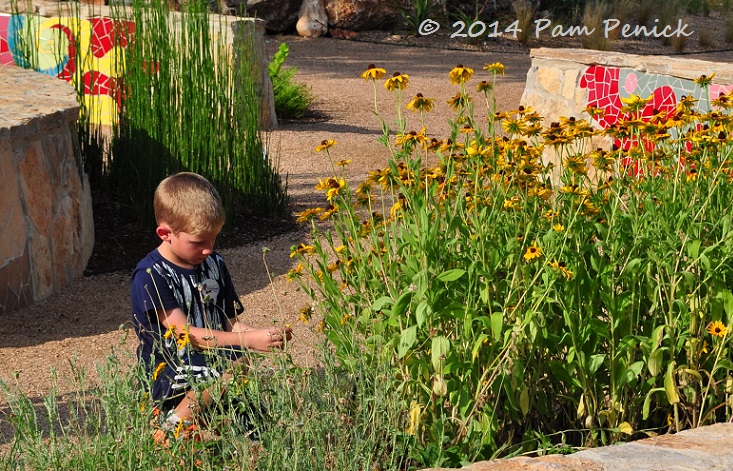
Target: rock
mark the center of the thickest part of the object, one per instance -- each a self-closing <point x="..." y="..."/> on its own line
<point x="313" y="21"/>
<point x="280" y="15"/>
<point x="361" y="15"/>
<point x="342" y="33"/>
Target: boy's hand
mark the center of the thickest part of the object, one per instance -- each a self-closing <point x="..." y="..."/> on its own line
<point x="267" y="339"/>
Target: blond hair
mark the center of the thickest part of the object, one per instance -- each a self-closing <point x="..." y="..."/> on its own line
<point x="187" y="202"/>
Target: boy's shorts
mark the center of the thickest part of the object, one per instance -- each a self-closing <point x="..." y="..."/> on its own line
<point x="197" y="371"/>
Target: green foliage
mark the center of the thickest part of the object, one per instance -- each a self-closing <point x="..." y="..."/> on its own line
<point x="416" y="13"/>
<point x="518" y="301"/>
<point x="310" y="419"/>
<point x="291" y="99"/>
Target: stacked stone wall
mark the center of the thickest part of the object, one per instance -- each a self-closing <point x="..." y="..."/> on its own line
<point x="46" y="222"/>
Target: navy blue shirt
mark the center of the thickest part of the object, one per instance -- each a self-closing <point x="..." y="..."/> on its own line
<point x="205" y="293"/>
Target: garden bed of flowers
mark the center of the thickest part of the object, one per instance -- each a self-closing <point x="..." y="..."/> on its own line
<point x="527" y="289"/>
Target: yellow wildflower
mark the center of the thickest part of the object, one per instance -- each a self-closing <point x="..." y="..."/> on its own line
<point x="294" y="273"/>
<point x="325" y="145"/>
<point x="305" y="314"/>
<point x="705" y="80"/>
<point x="421" y="103"/>
<point x="373" y="72"/>
<point x="496" y="68"/>
<point x="302" y="249"/>
<point x="397" y="81"/>
<point x="308" y="214"/>
<point x="717" y="329"/>
<point x="484" y="86"/>
<point x="460" y="74"/>
<point x="343" y="163"/>
<point x="459" y="100"/>
<point x="533" y="252"/>
<point x="635" y="103"/>
<point x="158" y="369"/>
<point x="561" y="266"/>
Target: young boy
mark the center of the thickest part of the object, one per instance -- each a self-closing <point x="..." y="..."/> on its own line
<point x="185" y="307"/>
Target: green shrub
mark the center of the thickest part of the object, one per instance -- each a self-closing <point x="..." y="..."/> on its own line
<point x="291" y="99"/>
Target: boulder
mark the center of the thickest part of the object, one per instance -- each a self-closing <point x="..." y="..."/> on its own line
<point x="313" y="21"/>
<point x="280" y="15"/>
<point x="361" y="15"/>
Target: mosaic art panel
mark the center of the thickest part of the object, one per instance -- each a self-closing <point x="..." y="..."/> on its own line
<point x="84" y="52"/>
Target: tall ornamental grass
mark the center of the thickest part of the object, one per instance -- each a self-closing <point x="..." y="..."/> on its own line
<point x="526" y="305"/>
<point x="188" y="100"/>
<point x="191" y="103"/>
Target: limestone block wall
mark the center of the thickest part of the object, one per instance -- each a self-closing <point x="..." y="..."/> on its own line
<point x="564" y="82"/>
<point x="46" y="224"/>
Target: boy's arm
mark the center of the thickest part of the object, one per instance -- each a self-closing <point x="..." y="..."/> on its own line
<point x="256" y="339"/>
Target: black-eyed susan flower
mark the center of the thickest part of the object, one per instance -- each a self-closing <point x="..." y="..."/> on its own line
<point x="301" y="249"/>
<point x="634" y="103"/>
<point x="459" y="100"/>
<point x="562" y="268"/>
<point x="306" y="313"/>
<point x="497" y="68"/>
<point x="158" y="369"/>
<point x="412" y="137"/>
<point x="373" y="73"/>
<point x="460" y="74"/>
<point x="397" y="81"/>
<point x="421" y="104"/>
<point x="484" y="86"/>
<point x="513" y="125"/>
<point x="343" y="163"/>
<point x="717" y="329"/>
<point x="308" y="214"/>
<point x="533" y="252"/>
<point x="332" y="187"/>
<point x="705" y="80"/>
<point x="325" y="145"/>
<point x="330" y="210"/>
<point x="294" y="273"/>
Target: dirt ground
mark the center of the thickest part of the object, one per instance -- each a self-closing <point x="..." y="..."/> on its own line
<point x="85" y="322"/>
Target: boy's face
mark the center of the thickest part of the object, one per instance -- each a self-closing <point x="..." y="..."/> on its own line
<point x="184" y="249"/>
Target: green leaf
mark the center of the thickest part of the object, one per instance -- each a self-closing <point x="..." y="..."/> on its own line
<point x="693" y="248"/>
<point x="595" y="362"/>
<point x="647" y="402"/>
<point x="381" y="303"/>
<point x="727" y="301"/>
<point x="407" y="340"/>
<point x="654" y="363"/>
<point x="657" y="336"/>
<point x="670" y="387"/>
<point x="477" y="346"/>
<point x="451" y="275"/>
<point x="524" y="401"/>
<point x="400" y="306"/>
<point x="422" y="311"/>
<point x="631" y="373"/>
<point x="497" y="323"/>
<point x="438" y="351"/>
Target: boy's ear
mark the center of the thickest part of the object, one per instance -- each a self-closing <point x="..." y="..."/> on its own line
<point x="164" y="232"/>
